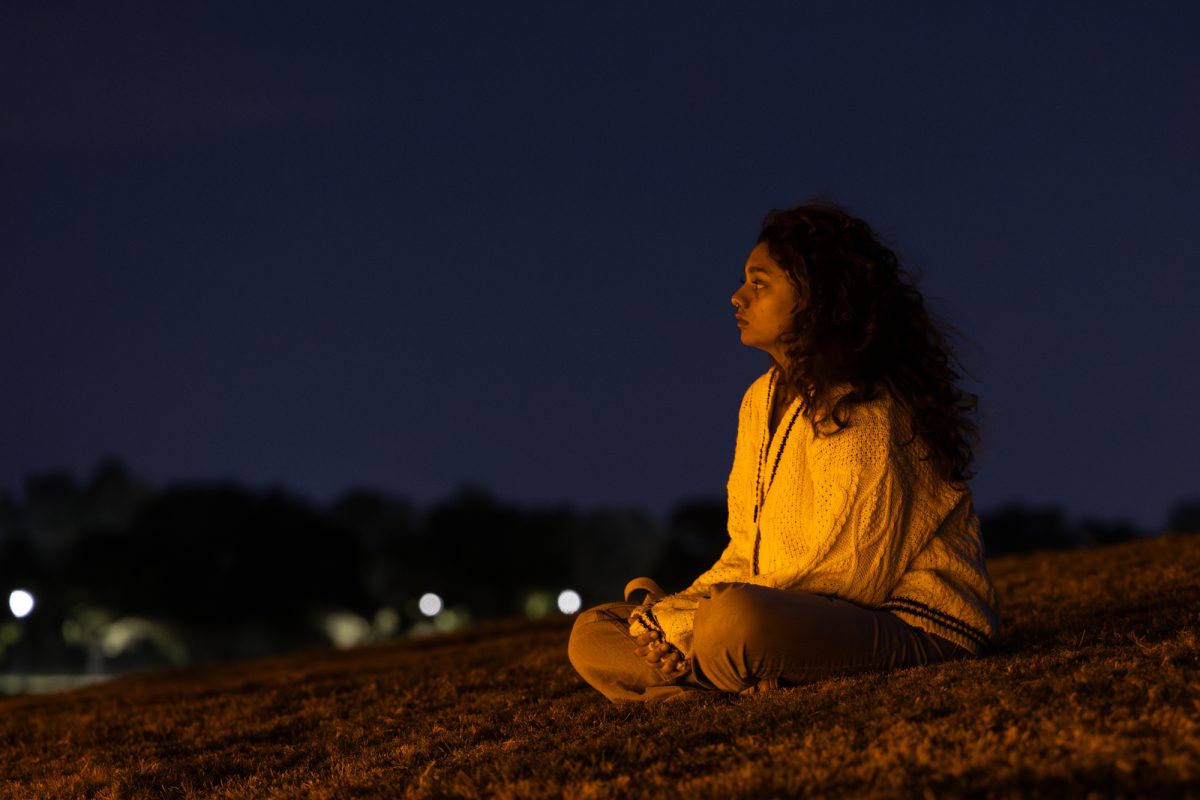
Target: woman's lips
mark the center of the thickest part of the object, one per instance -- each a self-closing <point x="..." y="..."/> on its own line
<point x="741" y="321"/>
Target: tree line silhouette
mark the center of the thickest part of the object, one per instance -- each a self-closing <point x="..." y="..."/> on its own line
<point x="211" y="571"/>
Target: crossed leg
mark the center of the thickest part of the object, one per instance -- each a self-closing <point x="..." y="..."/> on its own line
<point x="749" y="638"/>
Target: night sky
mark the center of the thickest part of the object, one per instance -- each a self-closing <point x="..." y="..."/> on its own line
<point x="402" y="247"/>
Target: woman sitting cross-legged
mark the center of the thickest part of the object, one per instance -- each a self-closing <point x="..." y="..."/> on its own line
<point x="853" y="542"/>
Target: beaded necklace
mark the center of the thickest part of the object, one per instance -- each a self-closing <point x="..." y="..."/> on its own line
<point x="761" y="489"/>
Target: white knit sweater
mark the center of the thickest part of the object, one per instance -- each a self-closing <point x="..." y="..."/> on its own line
<point x="854" y="514"/>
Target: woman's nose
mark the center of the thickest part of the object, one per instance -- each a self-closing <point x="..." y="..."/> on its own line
<point x="736" y="299"/>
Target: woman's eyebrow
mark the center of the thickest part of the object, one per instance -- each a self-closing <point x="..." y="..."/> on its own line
<point x="759" y="270"/>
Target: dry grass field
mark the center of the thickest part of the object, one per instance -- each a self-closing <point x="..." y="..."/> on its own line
<point x="1094" y="691"/>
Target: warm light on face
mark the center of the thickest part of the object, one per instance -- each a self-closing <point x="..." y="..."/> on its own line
<point x="569" y="601"/>
<point x="765" y="302"/>
<point x="430" y="604"/>
<point x="20" y="602"/>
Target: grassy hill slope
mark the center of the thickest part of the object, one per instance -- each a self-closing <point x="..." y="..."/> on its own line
<point x="1094" y="688"/>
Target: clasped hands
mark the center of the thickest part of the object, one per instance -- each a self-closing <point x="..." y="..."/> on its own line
<point x="660" y="654"/>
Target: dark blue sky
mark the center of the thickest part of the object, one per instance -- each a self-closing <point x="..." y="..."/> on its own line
<point x="358" y="244"/>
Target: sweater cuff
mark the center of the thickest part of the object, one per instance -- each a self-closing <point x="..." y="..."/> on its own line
<point x="675" y="615"/>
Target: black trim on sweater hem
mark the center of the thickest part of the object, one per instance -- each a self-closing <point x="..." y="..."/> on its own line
<point x="918" y="609"/>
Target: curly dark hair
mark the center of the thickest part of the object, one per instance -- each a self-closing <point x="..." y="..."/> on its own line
<point x="862" y="323"/>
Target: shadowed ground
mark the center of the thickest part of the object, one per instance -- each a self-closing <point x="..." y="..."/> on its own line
<point x="1094" y="688"/>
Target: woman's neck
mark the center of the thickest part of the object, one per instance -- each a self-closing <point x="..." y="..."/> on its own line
<point x="781" y="400"/>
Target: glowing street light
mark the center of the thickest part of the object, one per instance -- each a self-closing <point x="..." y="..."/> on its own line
<point x="569" y="601"/>
<point x="20" y="602"/>
<point x="430" y="604"/>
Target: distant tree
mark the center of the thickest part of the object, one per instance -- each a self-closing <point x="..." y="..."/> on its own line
<point x="388" y="530"/>
<point x="696" y="534"/>
<point x="53" y="511"/>
<point x="1093" y="531"/>
<point x="1018" y="529"/>
<point x="106" y="568"/>
<point x="112" y="497"/>
<point x="1184" y="517"/>
<point x="545" y="548"/>
<point x="469" y="551"/>
<point x="220" y="558"/>
<point x="12" y="523"/>
<point x="375" y="518"/>
<point x="22" y="566"/>
<point x="611" y="547"/>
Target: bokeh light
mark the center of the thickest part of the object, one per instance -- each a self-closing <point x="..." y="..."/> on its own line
<point x="386" y="622"/>
<point x="450" y="620"/>
<point x="346" y="630"/>
<point x="538" y="604"/>
<point x="569" y="601"/>
<point x="430" y="604"/>
<point x="20" y="602"/>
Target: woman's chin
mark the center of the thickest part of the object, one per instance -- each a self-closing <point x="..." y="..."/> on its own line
<point x="750" y="340"/>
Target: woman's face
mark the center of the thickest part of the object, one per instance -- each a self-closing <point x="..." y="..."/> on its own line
<point x="765" y="303"/>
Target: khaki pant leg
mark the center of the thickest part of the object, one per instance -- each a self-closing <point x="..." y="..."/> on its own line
<point x="749" y="636"/>
<point x="601" y="650"/>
